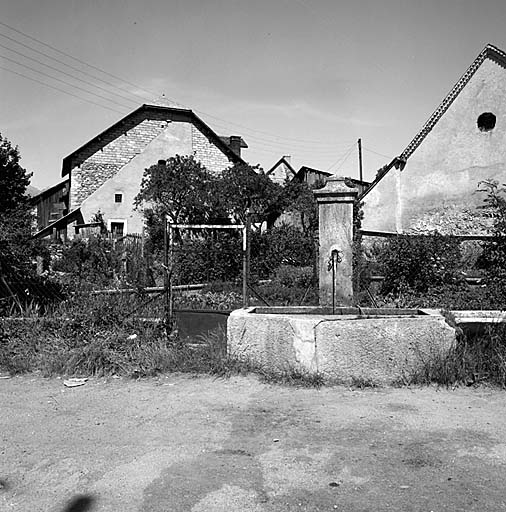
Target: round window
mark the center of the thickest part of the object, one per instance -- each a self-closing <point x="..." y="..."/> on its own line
<point x="486" y="122"/>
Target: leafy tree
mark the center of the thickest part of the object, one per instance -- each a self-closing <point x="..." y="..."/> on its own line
<point x="15" y="214"/>
<point x="243" y="186"/>
<point x="17" y="250"/>
<point x="181" y="188"/>
<point x="13" y="179"/>
<point x="298" y="198"/>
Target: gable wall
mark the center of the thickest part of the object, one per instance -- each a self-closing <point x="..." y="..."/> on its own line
<point x="103" y="159"/>
<point x="280" y="174"/>
<point x="208" y="153"/>
<point x="437" y="188"/>
<point x="176" y="138"/>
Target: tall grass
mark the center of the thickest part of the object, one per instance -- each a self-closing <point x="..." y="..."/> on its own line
<point x="93" y="335"/>
<point x="96" y="335"/>
<point x="476" y="358"/>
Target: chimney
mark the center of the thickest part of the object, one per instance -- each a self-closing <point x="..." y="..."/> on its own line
<point x="235" y="144"/>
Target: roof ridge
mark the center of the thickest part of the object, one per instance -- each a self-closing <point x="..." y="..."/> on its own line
<point x="202" y="126"/>
<point x="287" y="163"/>
<point x="489" y="51"/>
<point x="450" y="97"/>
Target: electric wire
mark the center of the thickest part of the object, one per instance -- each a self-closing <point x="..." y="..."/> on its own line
<point x="60" y="90"/>
<point x="376" y="152"/>
<point x="275" y="142"/>
<point x="330" y="149"/>
<point x="343" y="157"/>
<point x="65" y="73"/>
<point x="292" y="139"/>
<point x="63" y="81"/>
<point x="343" y="161"/>
<point x="274" y="137"/>
<point x="76" y="59"/>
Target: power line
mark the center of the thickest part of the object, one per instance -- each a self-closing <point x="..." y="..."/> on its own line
<point x="330" y="148"/>
<point x="376" y="153"/>
<point x="274" y="137"/>
<point x="61" y="90"/>
<point x="35" y="50"/>
<point x="344" y="160"/>
<point x="292" y="139"/>
<point x="343" y="157"/>
<point x="76" y="59"/>
<point x="64" y="72"/>
<point x="63" y="81"/>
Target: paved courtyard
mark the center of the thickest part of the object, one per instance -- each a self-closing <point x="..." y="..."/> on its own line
<point x="178" y="443"/>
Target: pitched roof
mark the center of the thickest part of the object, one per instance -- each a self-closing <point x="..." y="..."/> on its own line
<point x="489" y="52"/>
<point x="186" y="114"/>
<point x="37" y="198"/>
<point x="60" y="223"/>
<point x="282" y="160"/>
<point x="305" y="169"/>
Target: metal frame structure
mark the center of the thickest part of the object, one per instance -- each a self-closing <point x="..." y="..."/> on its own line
<point x="169" y="260"/>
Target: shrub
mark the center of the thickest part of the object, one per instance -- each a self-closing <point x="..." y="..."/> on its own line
<point x="219" y="300"/>
<point x="217" y="256"/>
<point x="213" y="256"/>
<point x="288" y="275"/>
<point x="283" y="245"/>
<point x="419" y="263"/>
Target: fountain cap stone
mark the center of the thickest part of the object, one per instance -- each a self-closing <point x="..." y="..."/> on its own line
<point x="338" y="189"/>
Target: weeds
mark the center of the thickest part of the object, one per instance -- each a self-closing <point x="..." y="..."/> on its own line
<point x="476" y="358"/>
<point x="92" y="336"/>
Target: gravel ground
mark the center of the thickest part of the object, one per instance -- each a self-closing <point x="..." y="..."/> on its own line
<point x="177" y="443"/>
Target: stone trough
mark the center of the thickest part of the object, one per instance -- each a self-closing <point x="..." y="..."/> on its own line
<point x="374" y="346"/>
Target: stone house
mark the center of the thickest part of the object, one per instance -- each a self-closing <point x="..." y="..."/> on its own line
<point x="281" y="171"/>
<point x="104" y="175"/>
<point x="432" y="185"/>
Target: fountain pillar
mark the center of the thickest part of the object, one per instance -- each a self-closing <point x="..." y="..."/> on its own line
<point x="335" y="213"/>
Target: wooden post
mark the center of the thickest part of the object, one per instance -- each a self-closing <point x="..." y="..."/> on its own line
<point x="170" y="276"/>
<point x="245" y="259"/>
<point x="166" y="277"/>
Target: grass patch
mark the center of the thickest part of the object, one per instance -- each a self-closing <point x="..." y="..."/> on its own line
<point x="478" y="358"/>
<point x="92" y="336"/>
<point x="44" y="346"/>
<point x="95" y="335"/>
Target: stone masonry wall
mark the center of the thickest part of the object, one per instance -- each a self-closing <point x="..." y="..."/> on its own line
<point x="104" y="159"/>
<point x="207" y="153"/>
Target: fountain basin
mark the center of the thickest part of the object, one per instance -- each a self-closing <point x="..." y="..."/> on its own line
<point x="354" y="345"/>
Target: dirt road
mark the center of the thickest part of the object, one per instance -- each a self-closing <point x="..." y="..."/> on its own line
<point x="199" y="444"/>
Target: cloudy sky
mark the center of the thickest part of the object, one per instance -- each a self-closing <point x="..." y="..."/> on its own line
<point x="304" y="78"/>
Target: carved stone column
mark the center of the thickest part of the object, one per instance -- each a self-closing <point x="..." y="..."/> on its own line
<point x="335" y="213"/>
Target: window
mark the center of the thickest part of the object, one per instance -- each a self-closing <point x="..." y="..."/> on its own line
<point x="486" y="122"/>
<point x="117" y="228"/>
<point x="118" y="198"/>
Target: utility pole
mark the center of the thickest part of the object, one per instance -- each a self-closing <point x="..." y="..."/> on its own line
<point x="360" y="158"/>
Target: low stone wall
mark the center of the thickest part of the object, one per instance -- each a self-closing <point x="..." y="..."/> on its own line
<point x="377" y="349"/>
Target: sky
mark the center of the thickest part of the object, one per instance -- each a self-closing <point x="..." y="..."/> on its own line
<point x="304" y="78"/>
